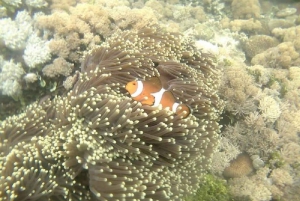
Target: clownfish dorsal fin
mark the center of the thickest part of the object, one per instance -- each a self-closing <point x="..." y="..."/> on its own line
<point x="152" y="84"/>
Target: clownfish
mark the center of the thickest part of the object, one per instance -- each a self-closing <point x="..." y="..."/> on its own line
<point x="150" y="92"/>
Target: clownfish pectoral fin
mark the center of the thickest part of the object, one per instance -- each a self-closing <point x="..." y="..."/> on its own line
<point x="181" y="110"/>
<point x="148" y="100"/>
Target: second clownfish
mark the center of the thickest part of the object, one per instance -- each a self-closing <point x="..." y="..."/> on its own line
<point x="150" y="92"/>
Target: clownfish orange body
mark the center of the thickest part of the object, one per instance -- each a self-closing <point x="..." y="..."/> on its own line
<point x="150" y="92"/>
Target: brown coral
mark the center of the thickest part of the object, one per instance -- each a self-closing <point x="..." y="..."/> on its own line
<point x="59" y="67"/>
<point x="84" y="26"/>
<point x="282" y="56"/>
<point x="239" y="167"/>
<point x="259" y="43"/>
<point x="245" y="9"/>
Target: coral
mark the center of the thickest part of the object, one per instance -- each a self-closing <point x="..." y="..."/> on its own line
<point x="3" y="12"/>
<point x="281" y="177"/>
<point x="81" y="28"/>
<point x="10" y="78"/>
<point x="257" y="162"/>
<point x="125" y="18"/>
<point x="266" y="185"/>
<point x="204" y="31"/>
<point x="286" y="12"/>
<point x="13" y="2"/>
<point x="245" y="9"/>
<point x="294" y="74"/>
<point x="244" y="25"/>
<point x="36" y="3"/>
<point x="14" y="34"/>
<point x="36" y="52"/>
<point x="212" y="189"/>
<point x="290" y="152"/>
<point x="226" y="153"/>
<point x="185" y="15"/>
<point x="70" y="31"/>
<point x="70" y="81"/>
<point x="259" y="43"/>
<point x="96" y="143"/>
<point x="256" y="188"/>
<point x="29" y="3"/>
<point x="275" y="160"/>
<point x="269" y="108"/>
<point x="239" y="167"/>
<point x="160" y="8"/>
<point x="254" y="140"/>
<point x="279" y="23"/>
<point x="289" y="35"/>
<point x="59" y="67"/>
<point x="207" y="47"/>
<point x="30" y="77"/>
<point x="62" y="5"/>
<point x="282" y="56"/>
<point x="239" y="89"/>
<point x="229" y="47"/>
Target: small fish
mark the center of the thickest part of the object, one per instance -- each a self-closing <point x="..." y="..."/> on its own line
<point x="150" y="92"/>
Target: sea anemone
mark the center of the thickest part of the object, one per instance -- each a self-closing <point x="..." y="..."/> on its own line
<point x="97" y="143"/>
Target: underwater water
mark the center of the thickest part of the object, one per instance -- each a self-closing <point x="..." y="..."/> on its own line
<point x="150" y="100"/>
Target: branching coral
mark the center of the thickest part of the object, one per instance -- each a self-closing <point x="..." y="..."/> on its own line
<point x="97" y="143"/>
<point x="10" y="77"/>
<point x="282" y="56"/>
<point x="255" y="189"/>
<point x="14" y="33"/>
<point x="222" y="158"/>
<point x="239" y="90"/>
<point x="84" y="26"/>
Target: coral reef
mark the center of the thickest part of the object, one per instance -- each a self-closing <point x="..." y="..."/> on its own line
<point x="256" y="44"/>
<point x="96" y="143"/>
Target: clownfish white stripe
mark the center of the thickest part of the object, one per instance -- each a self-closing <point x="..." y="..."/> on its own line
<point x="139" y="89"/>
<point x="158" y="97"/>
<point x="175" y="106"/>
